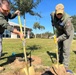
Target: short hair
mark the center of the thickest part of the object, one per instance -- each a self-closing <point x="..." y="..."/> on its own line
<point x="1" y="1"/>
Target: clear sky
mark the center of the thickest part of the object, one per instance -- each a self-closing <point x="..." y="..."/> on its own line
<point x="45" y="8"/>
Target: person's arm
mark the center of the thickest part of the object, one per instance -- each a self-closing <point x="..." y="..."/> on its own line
<point x="6" y="25"/>
<point x="52" y="18"/>
<point x="11" y="16"/>
<point x="18" y="33"/>
<point x="67" y="28"/>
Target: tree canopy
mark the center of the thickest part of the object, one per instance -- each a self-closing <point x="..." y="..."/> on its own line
<point x="36" y="25"/>
<point x="25" y="6"/>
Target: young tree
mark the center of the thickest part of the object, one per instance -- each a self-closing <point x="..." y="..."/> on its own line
<point x="25" y="6"/>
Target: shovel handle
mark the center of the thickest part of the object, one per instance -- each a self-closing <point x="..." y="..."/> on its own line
<point x="56" y="44"/>
<point x="20" y="24"/>
<point x="19" y="20"/>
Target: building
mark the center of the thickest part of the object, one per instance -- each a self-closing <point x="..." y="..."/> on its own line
<point x="8" y="34"/>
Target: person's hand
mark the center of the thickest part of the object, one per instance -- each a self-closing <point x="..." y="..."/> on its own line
<point x="18" y="33"/>
<point x="21" y="36"/>
<point x="57" y="39"/>
<point x="17" y="12"/>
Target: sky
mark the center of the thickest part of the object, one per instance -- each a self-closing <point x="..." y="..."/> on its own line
<point x="45" y="8"/>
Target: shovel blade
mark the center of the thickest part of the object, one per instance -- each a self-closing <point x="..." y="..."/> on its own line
<point x="60" y="70"/>
<point x="23" y="71"/>
<point x="29" y="71"/>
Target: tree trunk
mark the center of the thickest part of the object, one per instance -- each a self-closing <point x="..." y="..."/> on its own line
<point x="41" y="35"/>
<point x="24" y="26"/>
<point x="35" y="35"/>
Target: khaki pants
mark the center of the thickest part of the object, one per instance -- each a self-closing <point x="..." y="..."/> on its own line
<point x="64" y="50"/>
<point x="0" y="45"/>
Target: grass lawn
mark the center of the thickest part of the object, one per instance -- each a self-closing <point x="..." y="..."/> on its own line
<point x="39" y="47"/>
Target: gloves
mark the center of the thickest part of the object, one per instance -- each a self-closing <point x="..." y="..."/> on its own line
<point x="55" y="39"/>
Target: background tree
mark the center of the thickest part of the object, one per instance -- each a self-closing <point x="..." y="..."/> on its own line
<point x="36" y="26"/>
<point x="74" y="22"/>
<point x="25" y="6"/>
<point x="45" y="35"/>
<point x="41" y="28"/>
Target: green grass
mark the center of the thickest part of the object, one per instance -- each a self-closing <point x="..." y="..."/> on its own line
<point x="39" y="47"/>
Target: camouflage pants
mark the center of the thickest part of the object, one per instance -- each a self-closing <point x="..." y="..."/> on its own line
<point x="0" y="44"/>
<point x="64" y="50"/>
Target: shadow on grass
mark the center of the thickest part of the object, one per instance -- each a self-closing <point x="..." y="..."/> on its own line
<point x="74" y="52"/>
<point x="10" y="59"/>
<point x="4" y="54"/>
<point x="47" y="73"/>
<point x="33" y="47"/>
<point x="52" y="56"/>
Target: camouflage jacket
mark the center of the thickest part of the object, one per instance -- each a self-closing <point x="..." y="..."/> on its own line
<point x="63" y="26"/>
<point x="4" y="22"/>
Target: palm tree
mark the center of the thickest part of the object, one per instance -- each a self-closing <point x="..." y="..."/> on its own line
<point x="42" y="28"/>
<point x="25" y="6"/>
<point x="36" y="26"/>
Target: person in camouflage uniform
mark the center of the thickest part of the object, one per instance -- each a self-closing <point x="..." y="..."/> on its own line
<point x="65" y="32"/>
<point x="4" y="16"/>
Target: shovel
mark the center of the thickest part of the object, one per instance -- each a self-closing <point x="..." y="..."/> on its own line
<point x="57" y="69"/>
<point x="27" y="70"/>
<point x="56" y="45"/>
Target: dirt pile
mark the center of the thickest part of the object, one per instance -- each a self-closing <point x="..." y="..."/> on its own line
<point x="17" y="66"/>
